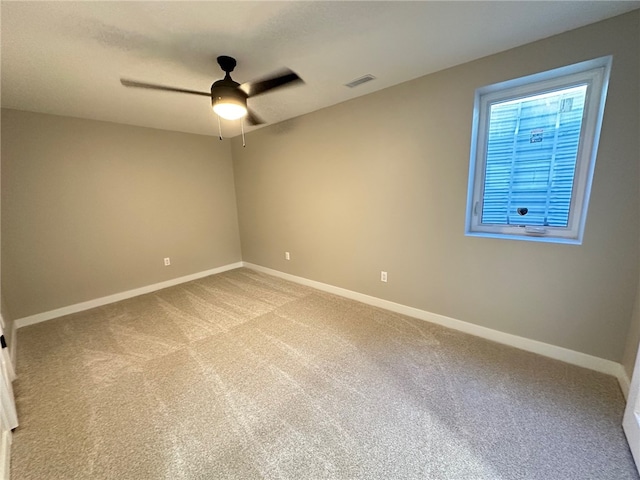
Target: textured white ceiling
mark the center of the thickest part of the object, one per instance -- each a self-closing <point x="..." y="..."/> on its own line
<point x="67" y="58"/>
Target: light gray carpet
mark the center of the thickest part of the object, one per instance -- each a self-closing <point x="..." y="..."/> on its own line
<point x="242" y="375"/>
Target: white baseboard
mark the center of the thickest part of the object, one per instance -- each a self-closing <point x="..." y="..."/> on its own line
<point x="98" y="302"/>
<point x="552" y="351"/>
<point x="5" y="454"/>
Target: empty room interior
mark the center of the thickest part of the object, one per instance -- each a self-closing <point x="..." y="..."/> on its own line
<point x="328" y="286"/>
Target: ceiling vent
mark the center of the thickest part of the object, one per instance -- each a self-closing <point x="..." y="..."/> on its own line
<point x="360" y="81"/>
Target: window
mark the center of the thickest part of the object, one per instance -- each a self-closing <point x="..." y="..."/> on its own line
<point x="533" y="152"/>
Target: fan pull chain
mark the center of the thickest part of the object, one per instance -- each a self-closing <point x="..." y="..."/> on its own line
<point x="242" y="127"/>
<point x="219" y="128"/>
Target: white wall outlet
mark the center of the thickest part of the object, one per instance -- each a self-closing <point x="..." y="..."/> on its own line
<point x="383" y="276"/>
<point x="167" y="261"/>
<point x="287" y="256"/>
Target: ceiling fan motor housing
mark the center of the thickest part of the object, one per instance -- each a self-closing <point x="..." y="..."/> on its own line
<point x="227" y="91"/>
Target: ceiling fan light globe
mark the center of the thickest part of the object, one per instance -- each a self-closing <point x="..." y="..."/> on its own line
<point x="230" y="111"/>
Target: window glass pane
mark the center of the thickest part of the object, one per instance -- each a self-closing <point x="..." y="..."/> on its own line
<point x="532" y="147"/>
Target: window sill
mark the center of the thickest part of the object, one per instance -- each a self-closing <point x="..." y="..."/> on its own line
<point x="527" y="238"/>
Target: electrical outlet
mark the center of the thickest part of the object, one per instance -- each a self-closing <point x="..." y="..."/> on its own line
<point x="383" y="276"/>
<point x="287" y="256"/>
<point x="167" y="261"/>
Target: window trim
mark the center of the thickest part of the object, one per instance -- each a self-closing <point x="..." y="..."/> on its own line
<point x="595" y="74"/>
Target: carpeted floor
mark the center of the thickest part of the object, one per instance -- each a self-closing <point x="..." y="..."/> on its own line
<point x="242" y="375"/>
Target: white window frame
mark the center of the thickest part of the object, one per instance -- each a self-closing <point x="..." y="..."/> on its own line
<point x="595" y="74"/>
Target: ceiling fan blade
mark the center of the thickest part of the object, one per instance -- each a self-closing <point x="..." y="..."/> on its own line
<point x="152" y="86"/>
<point x="253" y="119"/>
<point x="281" y="79"/>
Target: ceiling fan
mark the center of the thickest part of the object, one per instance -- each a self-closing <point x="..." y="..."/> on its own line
<point x="228" y="97"/>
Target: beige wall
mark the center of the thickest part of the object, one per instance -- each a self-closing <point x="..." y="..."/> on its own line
<point x="91" y="208"/>
<point x="380" y="183"/>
